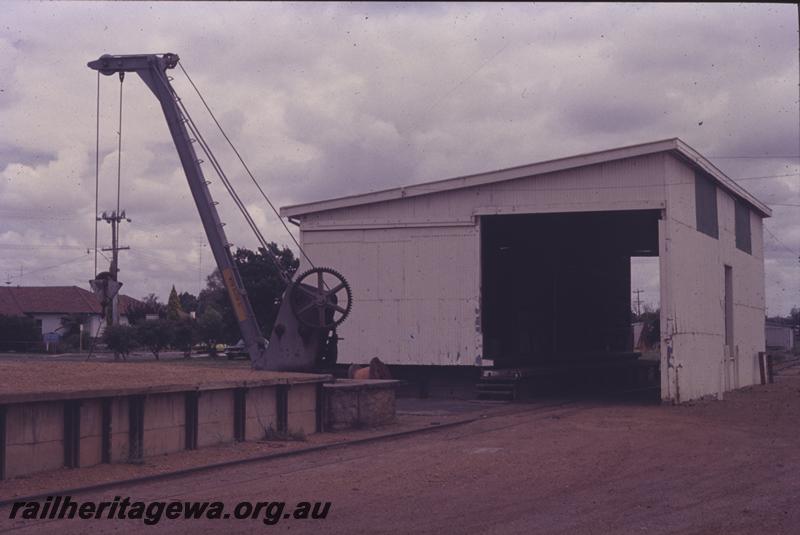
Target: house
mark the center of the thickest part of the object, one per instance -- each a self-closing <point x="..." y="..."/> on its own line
<point x="779" y="336"/>
<point x="48" y="304"/>
<point x="488" y="269"/>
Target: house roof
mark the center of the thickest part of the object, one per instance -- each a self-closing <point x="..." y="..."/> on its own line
<point x="673" y="145"/>
<point x="20" y="300"/>
<point x="9" y="306"/>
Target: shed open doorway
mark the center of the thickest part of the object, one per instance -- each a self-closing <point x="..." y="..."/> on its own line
<point x="556" y="296"/>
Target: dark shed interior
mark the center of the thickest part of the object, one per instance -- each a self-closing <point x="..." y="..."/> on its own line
<point x="556" y="287"/>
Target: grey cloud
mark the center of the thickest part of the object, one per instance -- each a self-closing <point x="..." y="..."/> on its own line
<point x="335" y="99"/>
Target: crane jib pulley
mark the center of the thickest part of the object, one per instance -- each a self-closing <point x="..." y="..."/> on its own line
<point x="312" y="306"/>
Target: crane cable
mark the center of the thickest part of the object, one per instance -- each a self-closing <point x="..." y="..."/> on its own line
<point x="246" y="168"/>
<point x="96" y="172"/>
<point x="198" y="137"/>
<point x="97" y="162"/>
<point x="231" y="191"/>
<point x="119" y="144"/>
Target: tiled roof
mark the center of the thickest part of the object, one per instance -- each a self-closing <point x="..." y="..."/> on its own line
<point x="53" y="300"/>
<point x="9" y="307"/>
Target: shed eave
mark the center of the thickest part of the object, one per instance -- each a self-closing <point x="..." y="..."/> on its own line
<point x="699" y="161"/>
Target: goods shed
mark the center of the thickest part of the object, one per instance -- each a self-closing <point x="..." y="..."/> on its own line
<point x="488" y="270"/>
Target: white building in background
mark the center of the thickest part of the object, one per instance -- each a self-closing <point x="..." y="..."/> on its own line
<point x="779" y="336"/>
<point x="48" y="304"/>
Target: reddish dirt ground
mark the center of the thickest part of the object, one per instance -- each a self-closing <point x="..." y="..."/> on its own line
<point x="706" y="467"/>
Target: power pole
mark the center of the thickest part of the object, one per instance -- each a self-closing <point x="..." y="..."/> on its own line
<point x="114" y="219"/>
<point x="638" y="302"/>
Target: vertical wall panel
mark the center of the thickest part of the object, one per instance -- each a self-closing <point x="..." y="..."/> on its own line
<point x="695" y="292"/>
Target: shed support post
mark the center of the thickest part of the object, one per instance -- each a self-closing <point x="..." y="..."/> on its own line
<point x="191" y="420"/>
<point x="105" y="430"/>
<point x="136" y="428"/>
<point x="322" y="412"/>
<point x="239" y="414"/>
<point x="72" y="433"/>
<point x="2" y="442"/>
<point x="282" y="407"/>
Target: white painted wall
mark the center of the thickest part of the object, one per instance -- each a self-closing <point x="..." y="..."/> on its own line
<point x="693" y="290"/>
<point x="52" y="323"/>
<point x="415" y="293"/>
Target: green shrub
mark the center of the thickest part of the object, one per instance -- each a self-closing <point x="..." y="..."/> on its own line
<point x="184" y="335"/>
<point x="155" y="335"/>
<point x="121" y="339"/>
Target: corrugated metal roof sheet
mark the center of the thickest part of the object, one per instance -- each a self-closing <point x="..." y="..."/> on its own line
<point x="675" y="145"/>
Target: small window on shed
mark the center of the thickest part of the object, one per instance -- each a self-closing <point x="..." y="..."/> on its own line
<point x="705" y="194"/>
<point x="742" y="216"/>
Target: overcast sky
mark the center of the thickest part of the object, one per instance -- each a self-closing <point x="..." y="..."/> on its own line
<point x="333" y="99"/>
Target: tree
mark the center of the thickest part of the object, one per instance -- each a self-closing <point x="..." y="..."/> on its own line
<point x="210" y="329"/>
<point x="174" y="308"/>
<point x="184" y="335"/>
<point x="188" y="302"/>
<point x="215" y="296"/>
<point x="155" y="335"/>
<point x="121" y="339"/>
<point x="262" y="282"/>
<point x="149" y="306"/>
<point x="71" y="331"/>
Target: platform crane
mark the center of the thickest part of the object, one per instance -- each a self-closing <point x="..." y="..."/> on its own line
<point x="313" y="304"/>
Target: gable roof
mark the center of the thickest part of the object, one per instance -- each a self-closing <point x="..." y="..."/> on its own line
<point x="673" y="145"/>
<point x="21" y="300"/>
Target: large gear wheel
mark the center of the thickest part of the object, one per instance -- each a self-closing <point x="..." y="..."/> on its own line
<point x="317" y="298"/>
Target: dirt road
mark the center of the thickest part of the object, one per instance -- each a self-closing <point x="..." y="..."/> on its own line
<point x="731" y="466"/>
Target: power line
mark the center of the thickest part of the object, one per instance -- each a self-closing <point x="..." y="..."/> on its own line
<point x="778" y="241"/>
<point x="46" y="268"/>
<point x="768" y="176"/>
<point x="776" y="157"/>
<point x="19" y="247"/>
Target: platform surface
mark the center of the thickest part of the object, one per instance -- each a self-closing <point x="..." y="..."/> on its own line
<point x="42" y="380"/>
<point x="361" y="384"/>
